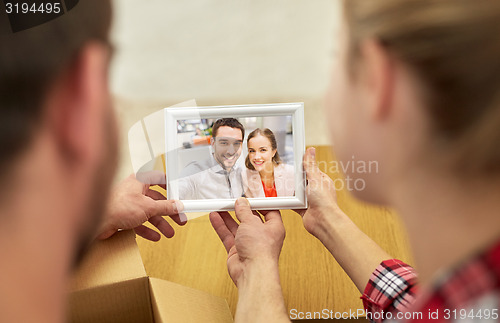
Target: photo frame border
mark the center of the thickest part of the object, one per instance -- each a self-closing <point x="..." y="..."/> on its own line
<point x="296" y="110"/>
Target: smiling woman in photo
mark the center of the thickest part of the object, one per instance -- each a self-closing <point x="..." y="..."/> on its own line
<point x="266" y="174"/>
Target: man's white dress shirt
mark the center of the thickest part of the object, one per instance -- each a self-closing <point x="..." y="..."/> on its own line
<point x="208" y="180"/>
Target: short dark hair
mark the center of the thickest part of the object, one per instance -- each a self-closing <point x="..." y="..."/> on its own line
<point x="30" y="62"/>
<point x="227" y="122"/>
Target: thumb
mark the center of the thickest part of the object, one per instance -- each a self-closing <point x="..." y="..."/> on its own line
<point x="310" y="165"/>
<point x="163" y="207"/>
<point x="243" y="211"/>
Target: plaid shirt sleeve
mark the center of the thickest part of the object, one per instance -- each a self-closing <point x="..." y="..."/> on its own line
<point x="391" y="288"/>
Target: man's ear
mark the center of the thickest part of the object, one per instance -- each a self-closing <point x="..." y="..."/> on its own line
<point x="377" y="76"/>
<point x="77" y="101"/>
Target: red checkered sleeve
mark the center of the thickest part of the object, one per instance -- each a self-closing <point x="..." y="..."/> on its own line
<point x="391" y="288"/>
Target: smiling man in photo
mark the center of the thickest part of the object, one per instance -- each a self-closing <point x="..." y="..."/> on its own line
<point x="217" y="177"/>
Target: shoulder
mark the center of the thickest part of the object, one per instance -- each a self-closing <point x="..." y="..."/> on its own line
<point x="251" y="174"/>
<point x="250" y="171"/>
<point x="195" y="167"/>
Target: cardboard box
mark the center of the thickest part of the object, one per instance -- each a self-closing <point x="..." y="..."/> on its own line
<point x="111" y="285"/>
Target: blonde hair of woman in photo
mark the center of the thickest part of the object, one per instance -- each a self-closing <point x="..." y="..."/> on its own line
<point x="416" y="87"/>
<point x="266" y="174"/>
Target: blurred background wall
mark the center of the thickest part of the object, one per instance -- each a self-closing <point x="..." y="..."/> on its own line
<point x="222" y="52"/>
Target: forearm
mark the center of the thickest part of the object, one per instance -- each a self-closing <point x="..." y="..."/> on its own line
<point x="354" y="250"/>
<point x="260" y="298"/>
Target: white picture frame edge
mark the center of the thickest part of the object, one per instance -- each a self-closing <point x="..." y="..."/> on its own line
<point x="296" y="110"/>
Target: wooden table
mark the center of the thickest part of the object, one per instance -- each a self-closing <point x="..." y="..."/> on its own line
<point x="311" y="278"/>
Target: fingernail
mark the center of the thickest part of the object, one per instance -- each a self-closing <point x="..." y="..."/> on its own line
<point x="242" y="201"/>
<point x="183" y="217"/>
<point x="313" y="152"/>
<point x="178" y="206"/>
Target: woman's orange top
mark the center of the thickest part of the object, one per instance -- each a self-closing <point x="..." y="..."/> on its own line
<point x="270" y="191"/>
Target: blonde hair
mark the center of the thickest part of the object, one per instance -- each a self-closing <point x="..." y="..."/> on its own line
<point x="453" y="48"/>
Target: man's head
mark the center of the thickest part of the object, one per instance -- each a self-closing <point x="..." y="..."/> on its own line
<point x="57" y="118"/>
<point x="227" y="139"/>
